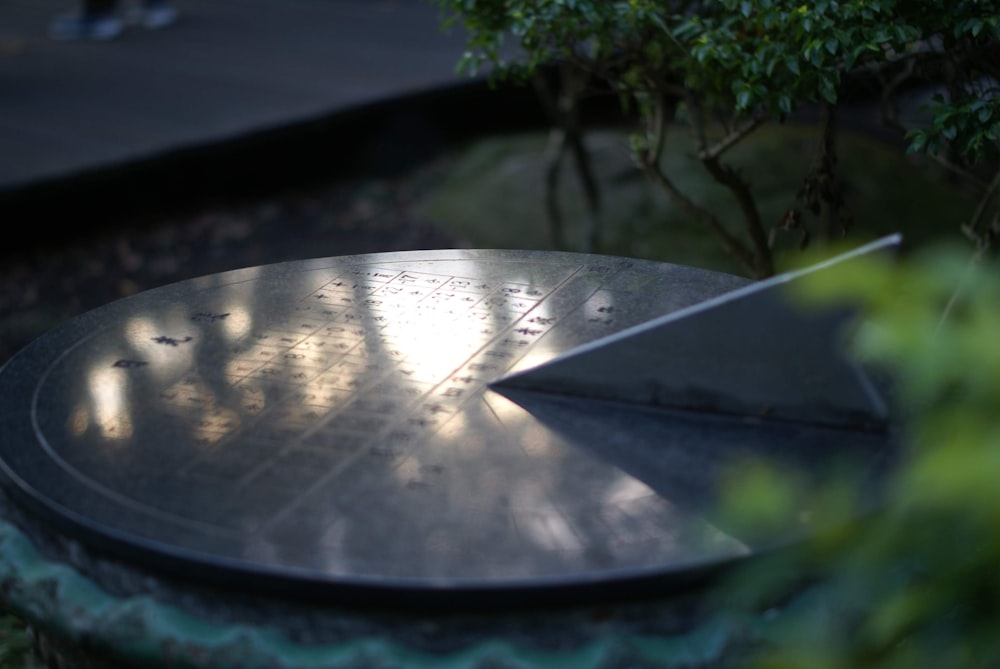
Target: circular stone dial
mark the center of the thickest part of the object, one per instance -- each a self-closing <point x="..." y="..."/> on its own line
<point x="330" y="423"/>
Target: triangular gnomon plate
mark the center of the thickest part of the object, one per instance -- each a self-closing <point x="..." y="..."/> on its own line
<point x="749" y="352"/>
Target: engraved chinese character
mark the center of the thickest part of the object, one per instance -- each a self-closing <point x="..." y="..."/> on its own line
<point x="421" y="422"/>
<point x="206" y="317"/>
<point x="129" y="364"/>
<point x="386" y="452"/>
<point x="515" y="342"/>
<point x="171" y="341"/>
<point x="480" y="367"/>
<point x="400" y="436"/>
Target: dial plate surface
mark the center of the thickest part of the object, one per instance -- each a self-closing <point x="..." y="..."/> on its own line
<point x="329" y="423"/>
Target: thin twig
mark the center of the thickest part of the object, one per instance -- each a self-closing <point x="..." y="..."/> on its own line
<point x="977" y="216"/>
<point x="953" y="300"/>
<point x="731" y="244"/>
<point x="761" y="255"/>
<point x="982" y="244"/>
<point x="891" y="119"/>
<point x="732" y="138"/>
<point x="664" y="112"/>
<point x="960" y="171"/>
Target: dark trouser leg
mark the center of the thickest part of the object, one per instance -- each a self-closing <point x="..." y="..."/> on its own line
<point x="92" y="7"/>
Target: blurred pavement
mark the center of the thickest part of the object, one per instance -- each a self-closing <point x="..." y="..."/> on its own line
<point x="227" y="69"/>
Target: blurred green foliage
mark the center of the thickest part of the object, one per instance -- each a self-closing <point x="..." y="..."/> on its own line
<point x="914" y="583"/>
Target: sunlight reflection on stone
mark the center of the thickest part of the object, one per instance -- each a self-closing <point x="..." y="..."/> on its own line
<point x="238" y="323"/>
<point x="79" y="421"/>
<point x="108" y="389"/>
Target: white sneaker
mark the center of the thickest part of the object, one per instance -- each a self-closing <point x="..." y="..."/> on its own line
<point x="82" y="27"/>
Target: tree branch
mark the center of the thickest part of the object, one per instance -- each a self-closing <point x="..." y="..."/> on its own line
<point x="977" y="216"/>
<point x="890" y="117"/>
<point x="958" y="170"/>
<point x="664" y="112"/>
<point x="761" y="255"/>
<point x="733" y="246"/>
<point x="733" y="138"/>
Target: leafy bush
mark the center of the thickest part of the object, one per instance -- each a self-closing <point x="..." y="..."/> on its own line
<point x="722" y="68"/>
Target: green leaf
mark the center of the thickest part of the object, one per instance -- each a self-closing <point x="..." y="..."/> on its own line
<point x="918" y="141"/>
<point x="743" y="99"/>
<point x="828" y="91"/>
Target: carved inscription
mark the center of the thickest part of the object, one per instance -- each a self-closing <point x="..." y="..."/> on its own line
<point x="371" y="365"/>
<point x="129" y="364"/>
<point x="171" y="341"/>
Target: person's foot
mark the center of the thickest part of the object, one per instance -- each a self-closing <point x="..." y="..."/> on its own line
<point x="156" y="15"/>
<point x="86" y="27"/>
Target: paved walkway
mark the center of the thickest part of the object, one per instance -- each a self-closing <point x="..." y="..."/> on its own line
<point x="228" y="69"/>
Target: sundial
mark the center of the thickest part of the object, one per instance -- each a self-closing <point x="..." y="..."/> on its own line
<point x="435" y="426"/>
